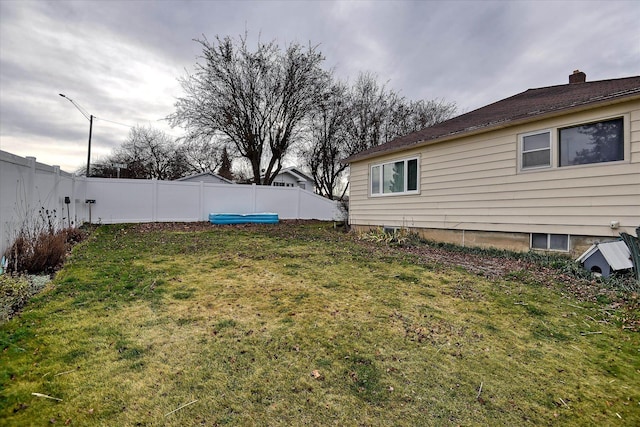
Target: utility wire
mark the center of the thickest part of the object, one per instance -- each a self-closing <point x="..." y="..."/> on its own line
<point x="79" y="107"/>
<point x="87" y="115"/>
<point x="111" y="121"/>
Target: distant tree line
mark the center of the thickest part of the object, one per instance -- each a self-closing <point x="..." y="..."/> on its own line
<point x="149" y="153"/>
<point x="266" y="106"/>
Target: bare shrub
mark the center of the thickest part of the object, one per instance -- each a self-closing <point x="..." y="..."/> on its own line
<point x="74" y="235"/>
<point x="38" y="247"/>
<point x="41" y="255"/>
<point x="395" y="237"/>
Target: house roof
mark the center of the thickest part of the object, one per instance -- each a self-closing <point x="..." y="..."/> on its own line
<point x="296" y="173"/>
<point x="616" y="254"/>
<point x="202" y="175"/>
<point x="530" y="105"/>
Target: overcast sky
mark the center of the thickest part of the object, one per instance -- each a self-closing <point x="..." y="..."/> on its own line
<point x="120" y="60"/>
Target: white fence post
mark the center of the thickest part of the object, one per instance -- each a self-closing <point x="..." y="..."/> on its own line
<point x="154" y="198"/>
<point x="31" y="185"/>
<point x="56" y="197"/>
<point x="73" y="219"/>
<point x="202" y="213"/>
<point x="254" y="196"/>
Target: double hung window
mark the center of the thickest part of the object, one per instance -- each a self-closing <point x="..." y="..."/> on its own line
<point x="536" y="150"/>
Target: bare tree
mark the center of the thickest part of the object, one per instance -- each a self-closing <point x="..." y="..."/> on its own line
<point x="255" y="101"/>
<point x="379" y="115"/>
<point x="225" y="165"/>
<point x="350" y="120"/>
<point x="328" y="139"/>
<point x="413" y="116"/>
<point x="370" y="107"/>
<point x="201" y="154"/>
<point x="148" y="153"/>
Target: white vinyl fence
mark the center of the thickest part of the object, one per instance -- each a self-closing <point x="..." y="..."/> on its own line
<point x="28" y="188"/>
<point x="135" y="200"/>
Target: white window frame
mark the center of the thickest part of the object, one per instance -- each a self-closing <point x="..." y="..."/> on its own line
<point x="548" y="246"/>
<point x="522" y="151"/>
<point x="381" y="165"/>
<point x="554" y="133"/>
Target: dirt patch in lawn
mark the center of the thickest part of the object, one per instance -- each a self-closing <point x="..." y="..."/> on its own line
<point x="496" y="267"/>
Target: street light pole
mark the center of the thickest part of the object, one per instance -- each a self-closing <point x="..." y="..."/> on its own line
<point x="90" y="118"/>
<point x="89" y="148"/>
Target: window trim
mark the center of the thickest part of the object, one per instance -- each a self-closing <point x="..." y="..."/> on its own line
<point x="555" y="143"/>
<point x="381" y="165"/>
<point x="521" y="151"/>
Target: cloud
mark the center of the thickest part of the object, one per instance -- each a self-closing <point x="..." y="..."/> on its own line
<point x="121" y="60"/>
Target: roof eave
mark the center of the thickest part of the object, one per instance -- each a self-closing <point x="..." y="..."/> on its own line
<point x="497" y="126"/>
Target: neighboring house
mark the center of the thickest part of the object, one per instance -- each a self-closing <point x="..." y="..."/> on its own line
<point x="208" y="177"/>
<point x="293" y="177"/>
<point x="553" y="168"/>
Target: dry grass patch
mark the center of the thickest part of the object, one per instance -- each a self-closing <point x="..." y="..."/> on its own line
<point x="297" y="324"/>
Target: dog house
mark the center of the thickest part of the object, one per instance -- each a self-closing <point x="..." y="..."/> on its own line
<point x="606" y="257"/>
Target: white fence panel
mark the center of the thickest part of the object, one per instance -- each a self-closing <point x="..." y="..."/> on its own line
<point x="177" y="202"/>
<point x="227" y="198"/>
<point x="120" y="201"/>
<point x="313" y="206"/>
<point x="281" y="200"/>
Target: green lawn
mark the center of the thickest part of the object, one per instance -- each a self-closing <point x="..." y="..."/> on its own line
<point x="298" y="324"/>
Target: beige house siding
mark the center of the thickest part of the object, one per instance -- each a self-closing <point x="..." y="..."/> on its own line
<point x="474" y="184"/>
<point x="635" y="136"/>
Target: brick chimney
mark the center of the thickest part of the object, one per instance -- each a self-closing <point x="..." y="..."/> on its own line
<point x="577" y="77"/>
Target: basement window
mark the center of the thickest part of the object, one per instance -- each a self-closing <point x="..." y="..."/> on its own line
<point x="550" y="242"/>
<point x="394" y="178"/>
